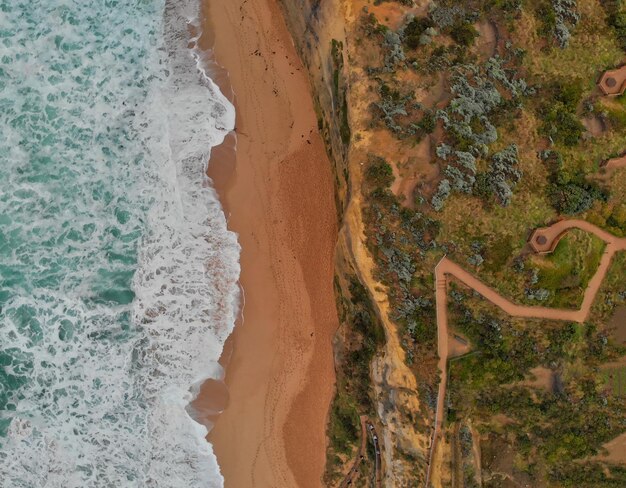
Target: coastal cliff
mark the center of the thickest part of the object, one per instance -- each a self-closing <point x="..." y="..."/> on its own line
<point x="372" y="379"/>
<point x="319" y="33"/>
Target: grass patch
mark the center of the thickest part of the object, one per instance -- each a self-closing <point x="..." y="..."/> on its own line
<point x="567" y="271"/>
<point x="590" y="50"/>
<point x="613" y="290"/>
<point x="343" y="428"/>
<point x="615" y="380"/>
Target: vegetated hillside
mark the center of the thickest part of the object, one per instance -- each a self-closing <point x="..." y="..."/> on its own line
<point x="463" y="127"/>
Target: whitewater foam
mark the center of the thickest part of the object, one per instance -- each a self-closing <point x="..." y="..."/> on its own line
<point x="118" y="274"/>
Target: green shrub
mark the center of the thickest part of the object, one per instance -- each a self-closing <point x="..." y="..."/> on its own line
<point x="616" y="117"/>
<point x="616" y="19"/>
<point x="413" y="31"/>
<point x="463" y="33"/>
<point x="482" y="187"/>
<point x="428" y="123"/>
<point x="574" y="198"/>
<point x="379" y="172"/>
<point x="344" y="129"/>
<point x="568" y="93"/>
<point x="343" y="428"/>
<point x="562" y="125"/>
<point x="618" y="22"/>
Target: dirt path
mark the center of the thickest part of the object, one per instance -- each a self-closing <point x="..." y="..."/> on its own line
<point x="366" y="427"/>
<point x="543" y="240"/>
<point x="347" y="481"/>
<point x="612" y="165"/>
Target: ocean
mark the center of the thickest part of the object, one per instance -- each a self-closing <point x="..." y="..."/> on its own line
<point x="118" y="275"/>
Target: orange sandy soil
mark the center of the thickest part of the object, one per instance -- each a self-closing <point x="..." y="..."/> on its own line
<point x="615" y="451"/>
<point x="278" y="196"/>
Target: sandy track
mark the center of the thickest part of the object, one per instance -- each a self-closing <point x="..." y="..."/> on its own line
<point x="609" y="167"/>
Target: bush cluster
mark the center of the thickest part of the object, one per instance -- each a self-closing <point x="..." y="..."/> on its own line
<point x="353" y="381"/>
<point x="454" y="21"/>
<point x="476" y="97"/>
<point x="574" y="197"/>
<point x="566" y="16"/>
<point x="394" y="52"/>
<point x="371" y="26"/>
<point x="569" y="194"/>
<point x="441" y="195"/>
<point x="569" y="421"/>
<point x="400" y="113"/>
<point x="503" y="174"/>
<point x="562" y="125"/>
<point x="414" y="32"/>
<point x="379" y="172"/>
<point x="558" y="18"/>
<point x="339" y="91"/>
<point x="463" y="33"/>
<point x="397" y="236"/>
<point x="445" y="17"/>
<point x="467" y="120"/>
<point x="574" y="475"/>
<point x="616" y="19"/>
<point x="394" y="106"/>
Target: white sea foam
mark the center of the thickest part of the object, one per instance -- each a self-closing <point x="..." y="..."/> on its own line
<point x="110" y="183"/>
<point x="196" y="254"/>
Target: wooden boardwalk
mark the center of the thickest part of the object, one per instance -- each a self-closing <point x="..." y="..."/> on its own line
<point x="613" y="82"/>
<point x="542" y="241"/>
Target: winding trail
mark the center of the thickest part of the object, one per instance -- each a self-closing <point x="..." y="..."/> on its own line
<point x="543" y="241"/>
<point x="611" y="165"/>
<point x="360" y="454"/>
<point x="366" y="427"/>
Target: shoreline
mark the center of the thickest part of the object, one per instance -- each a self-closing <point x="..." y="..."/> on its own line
<point x="277" y="192"/>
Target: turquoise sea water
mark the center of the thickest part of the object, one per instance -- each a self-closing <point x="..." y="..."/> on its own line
<point x="117" y="273"/>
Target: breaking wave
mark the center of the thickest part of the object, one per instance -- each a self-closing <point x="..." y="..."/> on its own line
<point x="118" y="276"/>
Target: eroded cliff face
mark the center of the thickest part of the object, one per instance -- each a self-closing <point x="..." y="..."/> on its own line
<point x="318" y="30"/>
<point x="325" y="34"/>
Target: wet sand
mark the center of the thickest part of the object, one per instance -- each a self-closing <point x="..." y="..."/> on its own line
<point x="277" y="191"/>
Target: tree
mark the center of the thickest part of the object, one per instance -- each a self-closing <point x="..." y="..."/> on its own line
<point x="573" y="198"/>
<point x="379" y="172"/>
<point x="504" y="174"/>
<point x="443" y="192"/>
<point x="463" y="33"/>
<point x="562" y="125"/>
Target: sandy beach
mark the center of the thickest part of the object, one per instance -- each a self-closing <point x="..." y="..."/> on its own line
<point x="278" y="196"/>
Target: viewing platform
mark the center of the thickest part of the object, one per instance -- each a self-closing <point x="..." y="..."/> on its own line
<point x="613" y="82"/>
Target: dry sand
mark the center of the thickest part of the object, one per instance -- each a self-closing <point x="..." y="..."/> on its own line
<point x="278" y="196"/>
<point x="615" y="451"/>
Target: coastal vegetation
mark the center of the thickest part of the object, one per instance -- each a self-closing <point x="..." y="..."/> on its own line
<point x="470" y="126"/>
<point x="535" y="387"/>
<point x="361" y="337"/>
